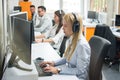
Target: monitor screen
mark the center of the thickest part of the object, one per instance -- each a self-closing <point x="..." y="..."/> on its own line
<point x="21" y="45"/>
<point x="17" y="8"/>
<point x="22" y="15"/>
<point x="21" y="39"/>
<point x="117" y="20"/>
<point x="92" y="15"/>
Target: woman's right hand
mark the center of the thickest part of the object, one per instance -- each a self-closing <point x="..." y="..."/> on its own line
<point x="44" y="63"/>
<point x="38" y="40"/>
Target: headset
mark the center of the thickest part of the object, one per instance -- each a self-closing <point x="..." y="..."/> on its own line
<point x="76" y="24"/>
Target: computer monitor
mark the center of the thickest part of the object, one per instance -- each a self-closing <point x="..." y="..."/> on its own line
<point x="117" y="20"/>
<point x="32" y="33"/>
<point x="91" y="14"/>
<point x="17" y="8"/>
<point x="22" y="15"/>
<point x="21" y="44"/>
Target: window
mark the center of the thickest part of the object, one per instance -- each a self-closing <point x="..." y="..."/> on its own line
<point x="71" y="6"/>
<point x="98" y="5"/>
<point x="51" y="7"/>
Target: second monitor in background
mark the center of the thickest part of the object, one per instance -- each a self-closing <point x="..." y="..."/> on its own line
<point x="17" y="8"/>
<point x="117" y="21"/>
<point x="93" y="16"/>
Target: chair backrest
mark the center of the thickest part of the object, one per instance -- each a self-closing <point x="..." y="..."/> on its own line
<point x="62" y="46"/>
<point x="105" y="32"/>
<point x="99" y="48"/>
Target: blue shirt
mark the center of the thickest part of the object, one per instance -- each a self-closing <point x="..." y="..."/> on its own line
<point x="79" y="61"/>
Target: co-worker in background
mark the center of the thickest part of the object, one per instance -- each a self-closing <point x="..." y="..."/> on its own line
<point x="55" y="34"/>
<point x="25" y="5"/>
<point x="77" y="55"/>
<point x="43" y="22"/>
<point x="33" y="13"/>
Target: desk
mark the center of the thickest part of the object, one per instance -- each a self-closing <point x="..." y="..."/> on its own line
<point x="117" y="35"/>
<point x="45" y="51"/>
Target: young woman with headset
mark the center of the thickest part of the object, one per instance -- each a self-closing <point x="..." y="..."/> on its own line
<point x="55" y="34"/>
<point x="77" y="55"/>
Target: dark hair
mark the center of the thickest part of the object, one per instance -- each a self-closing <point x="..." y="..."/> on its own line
<point x="25" y="0"/>
<point x="32" y="6"/>
<point x="60" y="14"/>
<point x="42" y="7"/>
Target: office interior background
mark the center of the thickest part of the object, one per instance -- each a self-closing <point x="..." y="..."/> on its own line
<point x="106" y="8"/>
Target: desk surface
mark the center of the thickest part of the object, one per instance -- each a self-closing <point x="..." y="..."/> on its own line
<point x="117" y="34"/>
<point x="88" y="24"/>
<point x="45" y="51"/>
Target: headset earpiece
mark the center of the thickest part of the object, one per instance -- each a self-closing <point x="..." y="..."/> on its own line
<point x="76" y="24"/>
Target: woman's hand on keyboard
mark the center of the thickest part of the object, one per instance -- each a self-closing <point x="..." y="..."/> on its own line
<point x="52" y="69"/>
<point x="44" y="63"/>
<point x="38" y="40"/>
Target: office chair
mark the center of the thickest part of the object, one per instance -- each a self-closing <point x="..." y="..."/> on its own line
<point x="62" y="46"/>
<point x="99" y="48"/>
<point x="105" y="32"/>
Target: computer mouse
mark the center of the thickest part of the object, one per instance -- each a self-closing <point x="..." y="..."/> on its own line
<point x="39" y="58"/>
<point x="118" y="30"/>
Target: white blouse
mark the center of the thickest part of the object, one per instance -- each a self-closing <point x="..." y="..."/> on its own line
<point x="51" y="32"/>
<point x="57" y="38"/>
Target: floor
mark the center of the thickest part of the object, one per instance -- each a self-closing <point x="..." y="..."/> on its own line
<point x="111" y="73"/>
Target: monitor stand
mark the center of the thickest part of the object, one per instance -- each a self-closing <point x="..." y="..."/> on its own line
<point x="13" y="62"/>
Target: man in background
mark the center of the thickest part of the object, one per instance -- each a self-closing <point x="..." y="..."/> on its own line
<point x="43" y="22"/>
<point x="33" y="13"/>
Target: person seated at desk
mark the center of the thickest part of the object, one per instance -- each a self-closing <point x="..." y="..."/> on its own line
<point x="33" y="13"/>
<point x="55" y="34"/>
<point x="43" y="22"/>
<point x="77" y="55"/>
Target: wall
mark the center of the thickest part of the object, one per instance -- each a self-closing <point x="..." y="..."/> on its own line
<point x="1" y="25"/>
<point x="13" y="3"/>
<point x="2" y="33"/>
<point x="112" y="10"/>
<point x="110" y="4"/>
<point x="119" y="7"/>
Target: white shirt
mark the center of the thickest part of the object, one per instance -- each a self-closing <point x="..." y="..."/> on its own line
<point x="51" y="32"/>
<point x="42" y="24"/>
<point x="34" y="18"/>
<point x="79" y="61"/>
<point x="58" y="39"/>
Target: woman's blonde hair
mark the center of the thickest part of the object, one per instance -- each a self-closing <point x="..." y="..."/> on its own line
<point x="70" y="18"/>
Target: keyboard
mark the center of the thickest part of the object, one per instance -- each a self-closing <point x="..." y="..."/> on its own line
<point x="40" y="69"/>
